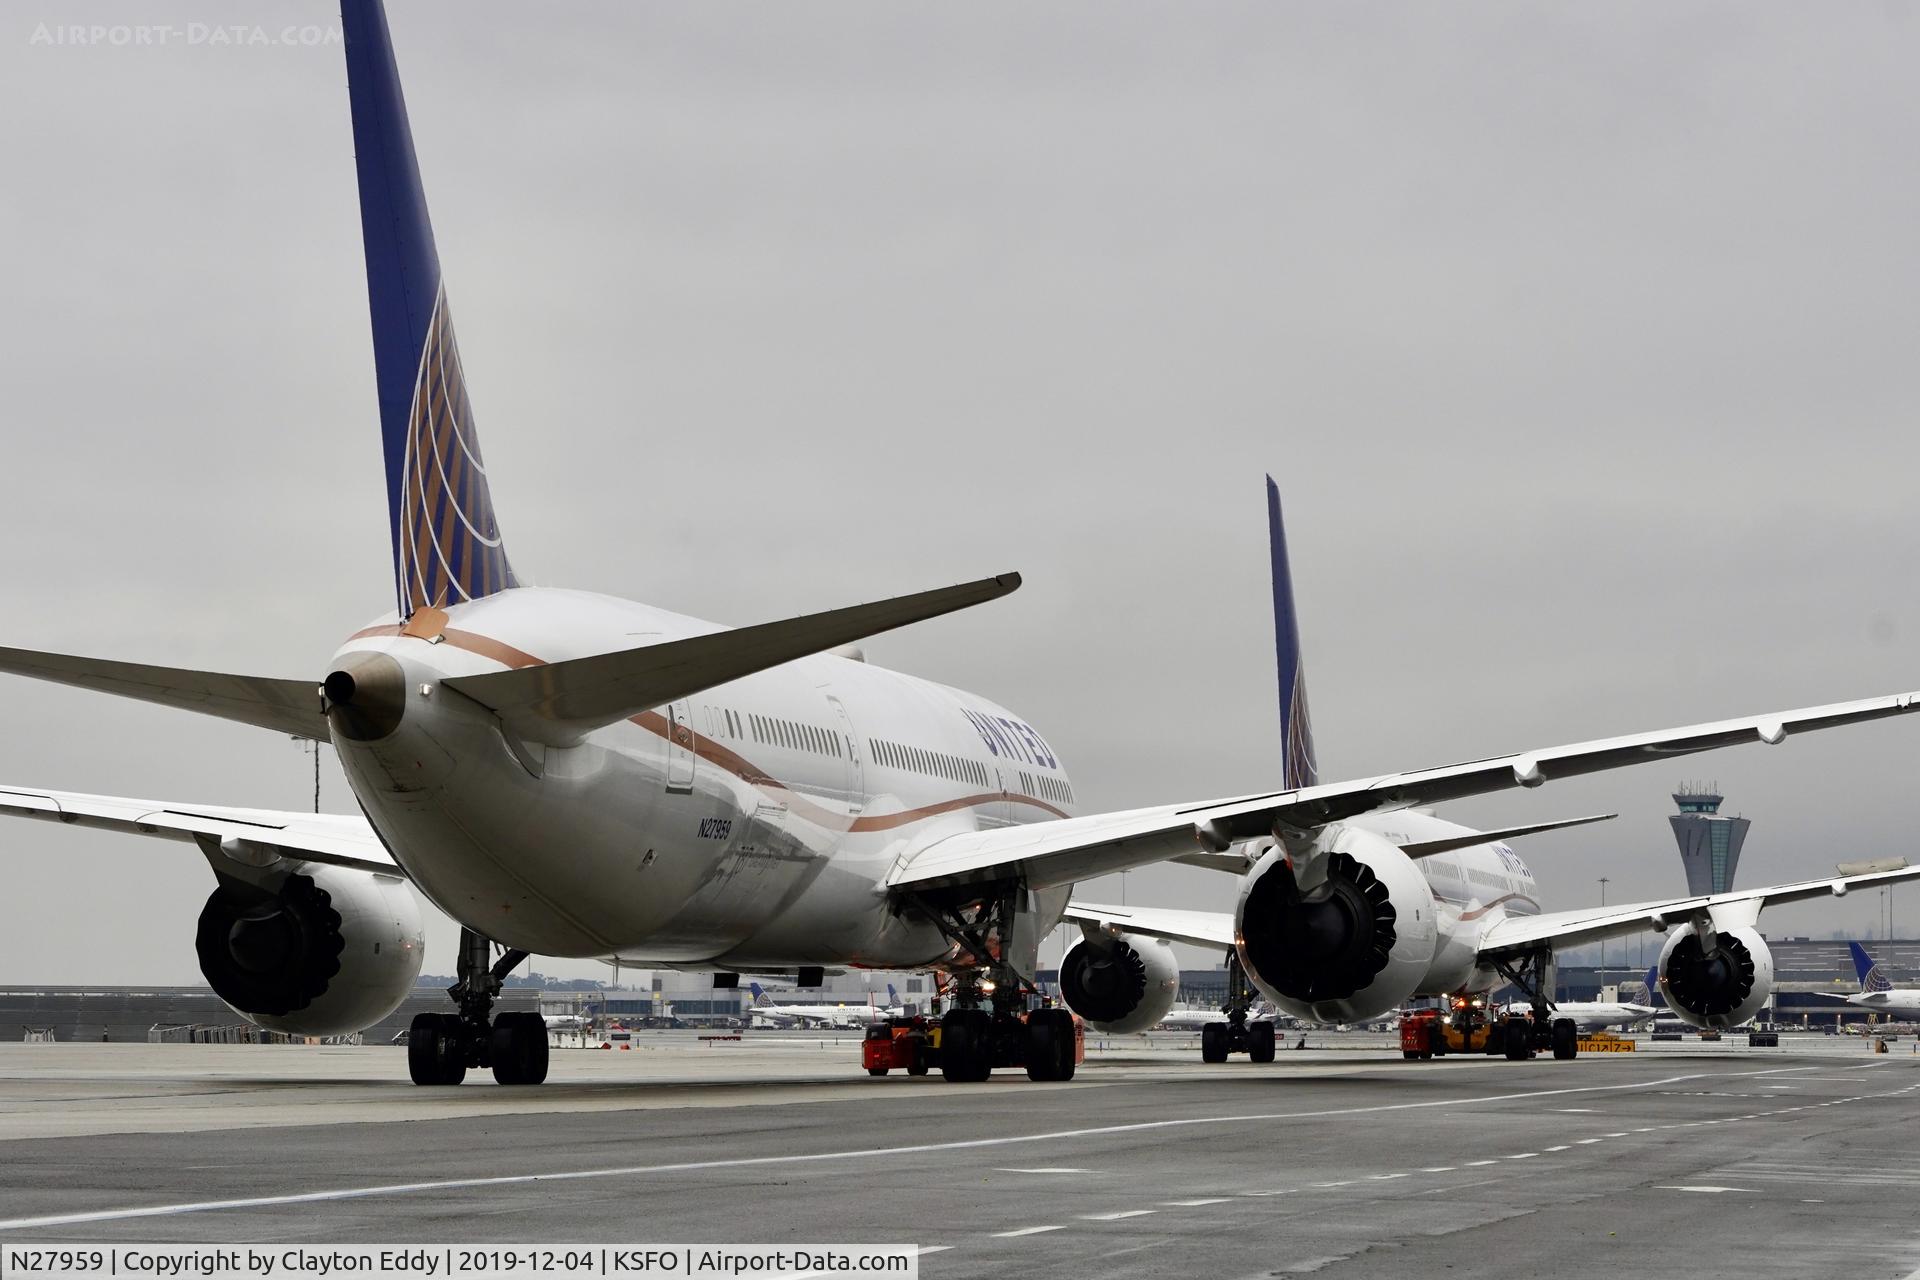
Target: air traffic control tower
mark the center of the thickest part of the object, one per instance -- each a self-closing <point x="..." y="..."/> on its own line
<point x="1709" y="840"/>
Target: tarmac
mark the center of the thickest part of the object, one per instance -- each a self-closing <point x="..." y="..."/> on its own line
<point x="1690" y="1158"/>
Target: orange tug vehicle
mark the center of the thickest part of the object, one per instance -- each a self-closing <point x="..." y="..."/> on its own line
<point x="912" y="1044"/>
<point x="1467" y="1028"/>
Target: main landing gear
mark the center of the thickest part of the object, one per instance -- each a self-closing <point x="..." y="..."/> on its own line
<point x="988" y="1024"/>
<point x="975" y="1040"/>
<point x="441" y="1046"/>
<point x="1236" y="1034"/>
<point x="1520" y="1036"/>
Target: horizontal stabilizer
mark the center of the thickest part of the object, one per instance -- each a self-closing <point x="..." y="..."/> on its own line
<point x="1427" y="848"/>
<point x="285" y="706"/>
<point x="559" y="702"/>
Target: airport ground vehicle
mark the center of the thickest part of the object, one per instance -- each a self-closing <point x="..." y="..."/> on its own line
<point x="1435" y="1033"/>
<point x="1050" y="1043"/>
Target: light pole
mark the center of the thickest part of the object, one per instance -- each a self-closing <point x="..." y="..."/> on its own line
<point x="1603" y="940"/>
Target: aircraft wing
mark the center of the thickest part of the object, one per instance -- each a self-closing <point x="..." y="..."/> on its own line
<point x="1201" y="928"/>
<point x="342" y="840"/>
<point x="1571" y="928"/>
<point x="1051" y="854"/>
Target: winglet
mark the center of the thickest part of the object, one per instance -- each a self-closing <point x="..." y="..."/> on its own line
<point x="1298" y="766"/>
<point x="560" y="702"/>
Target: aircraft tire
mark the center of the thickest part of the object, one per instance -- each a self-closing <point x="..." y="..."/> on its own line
<point x="517" y="1047"/>
<point x="1213" y="1042"/>
<point x="1260" y="1041"/>
<point x="1043" y="1048"/>
<point x="966" y="1046"/>
<point x="1566" y="1040"/>
<point x="434" y="1051"/>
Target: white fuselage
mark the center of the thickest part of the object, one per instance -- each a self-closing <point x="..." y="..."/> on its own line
<point x="1901" y="1002"/>
<point x="1594" y="1015"/>
<point x="830" y="1015"/>
<point x="751" y="826"/>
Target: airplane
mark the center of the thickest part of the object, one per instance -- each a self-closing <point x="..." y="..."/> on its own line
<point x="764" y="1012"/>
<point x="1877" y="991"/>
<point x="568" y="774"/>
<point x="1597" y="1015"/>
<point x="1471" y="897"/>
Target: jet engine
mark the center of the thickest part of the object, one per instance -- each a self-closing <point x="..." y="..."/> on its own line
<point x="1121" y="983"/>
<point x="317" y="951"/>
<point x="1721" y="987"/>
<point x="1351" y="947"/>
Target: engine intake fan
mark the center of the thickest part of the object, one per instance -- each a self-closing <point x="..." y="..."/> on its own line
<point x="270" y="954"/>
<point x="1709" y="986"/>
<point x="1327" y="946"/>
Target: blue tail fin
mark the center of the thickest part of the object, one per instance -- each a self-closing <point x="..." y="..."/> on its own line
<point x="446" y="542"/>
<point x="893" y="997"/>
<point x="1299" y="768"/>
<point x="759" y="996"/>
<point x="1653" y="982"/>
<point x="1871" y="978"/>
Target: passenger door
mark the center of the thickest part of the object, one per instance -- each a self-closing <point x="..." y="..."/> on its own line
<point x="856" y="768"/>
<point x="680" y="755"/>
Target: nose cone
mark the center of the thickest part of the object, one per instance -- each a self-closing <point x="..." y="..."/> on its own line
<point x="366" y="696"/>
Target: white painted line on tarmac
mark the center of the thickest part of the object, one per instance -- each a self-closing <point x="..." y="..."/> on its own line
<point x="1524" y="1155"/>
<point x="1712" y="1190"/>
<point x="1194" y="1204"/>
<point x="1028" y="1231"/>
<point x="1474" y="1164"/>
<point x="1445" y="1168"/>
<point x="377" y="1190"/>
<point x="1115" y="1217"/>
<point x="1040" y="1171"/>
<point x="1557" y="1148"/>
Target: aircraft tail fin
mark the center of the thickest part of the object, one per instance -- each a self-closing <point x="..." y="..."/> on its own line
<point x="1298" y="767"/>
<point x="893" y="997"/>
<point x="446" y="543"/>
<point x="759" y="995"/>
<point x="1872" y="977"/>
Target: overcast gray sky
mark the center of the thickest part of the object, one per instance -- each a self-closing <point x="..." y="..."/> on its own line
<point x="1580" y="338"/>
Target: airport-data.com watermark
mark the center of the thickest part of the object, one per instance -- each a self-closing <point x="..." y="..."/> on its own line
<point x="191" y="35"/>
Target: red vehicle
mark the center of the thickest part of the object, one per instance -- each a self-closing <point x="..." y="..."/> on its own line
<point x="913" y="1045"/>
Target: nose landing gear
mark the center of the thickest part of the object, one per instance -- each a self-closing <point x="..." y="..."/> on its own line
<point x="442" y="1046"/>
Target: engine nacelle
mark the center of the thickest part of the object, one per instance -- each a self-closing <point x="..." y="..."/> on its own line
<point x="1349" y="949"/>
<point x="328" y="951"/>
<point x="1123" y="984"/>
<point x="1724" y="989"/>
